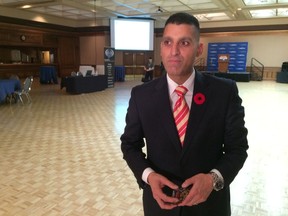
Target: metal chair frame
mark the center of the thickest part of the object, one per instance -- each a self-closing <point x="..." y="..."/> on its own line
<point x="25" y="91"/>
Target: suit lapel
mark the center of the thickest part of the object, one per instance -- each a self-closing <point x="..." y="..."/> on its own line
<point x="162" y="103"/>
<point x="199" y="104"/>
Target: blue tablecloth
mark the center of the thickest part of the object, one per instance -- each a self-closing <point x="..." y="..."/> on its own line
<point x="48" y="74"/>
<point x="7" y="87"/>
<point x="119" y="74"/>
<point x="282" y="77"/>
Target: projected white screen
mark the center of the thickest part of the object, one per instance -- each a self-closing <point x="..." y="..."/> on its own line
<point x="132" y="34"/>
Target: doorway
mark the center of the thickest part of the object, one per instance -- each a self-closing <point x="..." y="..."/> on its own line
<point x="134" y="63"/>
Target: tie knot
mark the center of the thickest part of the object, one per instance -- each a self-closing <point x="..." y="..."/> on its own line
<point x="181" y="90"/>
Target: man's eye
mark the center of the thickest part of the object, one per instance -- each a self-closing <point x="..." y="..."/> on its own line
<point x="166" y="43"/>
<point x="184" y="43"/>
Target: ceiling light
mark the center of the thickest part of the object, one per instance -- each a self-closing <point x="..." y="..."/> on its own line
<point x="26" y="6"/>
<point x="263" y="13"/>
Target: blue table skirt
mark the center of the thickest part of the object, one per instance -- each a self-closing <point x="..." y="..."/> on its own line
<point x="119" y="74"/>
<point x="48" y="74"/>
<point x="282" y="77"/>
<point x="7" y="87"/>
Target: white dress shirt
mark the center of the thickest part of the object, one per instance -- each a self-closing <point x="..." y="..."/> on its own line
<point x="189" y="84"/>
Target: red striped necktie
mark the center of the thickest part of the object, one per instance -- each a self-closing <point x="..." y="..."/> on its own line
<point x="181" y="112"/>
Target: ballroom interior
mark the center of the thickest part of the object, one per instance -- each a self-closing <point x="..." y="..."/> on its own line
<point x="60" y="154"/>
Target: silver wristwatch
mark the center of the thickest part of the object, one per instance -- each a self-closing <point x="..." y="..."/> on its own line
<point x="218" y="182"/>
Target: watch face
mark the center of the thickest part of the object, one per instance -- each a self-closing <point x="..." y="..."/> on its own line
<point x="219" y="185"/>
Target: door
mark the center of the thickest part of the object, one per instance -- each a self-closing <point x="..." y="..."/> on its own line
<point x="134" y="63"/>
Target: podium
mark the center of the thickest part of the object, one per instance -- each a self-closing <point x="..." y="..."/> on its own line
<point x="223" y="62"/>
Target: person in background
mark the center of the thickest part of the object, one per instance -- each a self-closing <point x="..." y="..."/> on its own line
<point x="149" y="69"/>
<point x="191" y="158"/>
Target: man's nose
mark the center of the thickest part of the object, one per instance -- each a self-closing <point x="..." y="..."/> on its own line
<point x="175" y="49"/>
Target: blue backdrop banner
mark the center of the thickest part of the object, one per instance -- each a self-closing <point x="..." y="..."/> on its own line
<point x="236" y="50"/>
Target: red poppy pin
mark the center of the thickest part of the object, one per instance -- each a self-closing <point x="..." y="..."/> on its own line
<point x="199" y="98"/>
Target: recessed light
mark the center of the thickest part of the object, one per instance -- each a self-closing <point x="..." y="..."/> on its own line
<point x="26" y="6"/>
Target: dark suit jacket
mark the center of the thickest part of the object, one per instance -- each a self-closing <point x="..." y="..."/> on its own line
<point x="215" y="138"/>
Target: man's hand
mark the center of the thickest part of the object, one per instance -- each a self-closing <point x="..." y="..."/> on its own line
<point x="202" y="186"/>
<point x="157" y="182"/>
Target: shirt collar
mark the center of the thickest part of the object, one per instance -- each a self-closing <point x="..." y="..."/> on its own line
<point x="189" y="83"/>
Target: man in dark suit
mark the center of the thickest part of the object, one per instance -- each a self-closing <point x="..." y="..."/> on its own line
<point x="189" y="177"/>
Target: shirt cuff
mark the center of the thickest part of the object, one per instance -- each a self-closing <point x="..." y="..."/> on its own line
<point x="218" y="174"/>
<point x="146" y="173"/>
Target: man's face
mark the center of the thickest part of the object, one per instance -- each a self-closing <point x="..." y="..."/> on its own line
<point x="179" y="48"/>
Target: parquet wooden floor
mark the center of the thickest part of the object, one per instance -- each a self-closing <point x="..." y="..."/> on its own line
<point x="60" y="155"/>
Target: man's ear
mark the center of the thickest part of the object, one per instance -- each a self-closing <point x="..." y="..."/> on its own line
<point x="200" y="49"/>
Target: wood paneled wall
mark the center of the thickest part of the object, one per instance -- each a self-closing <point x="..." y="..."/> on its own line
<point x="33" y="40"/>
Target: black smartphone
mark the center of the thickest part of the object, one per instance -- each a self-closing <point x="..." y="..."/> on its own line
<point x="181" y="193"/>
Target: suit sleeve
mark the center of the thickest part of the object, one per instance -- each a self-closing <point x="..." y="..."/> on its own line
<point x="132" y="141"/>
<point x="235" y="138"/>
